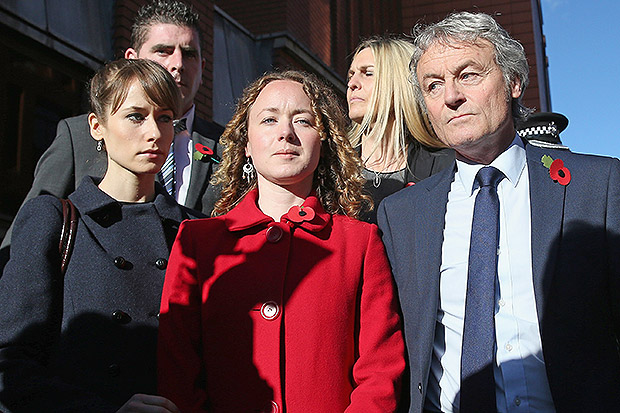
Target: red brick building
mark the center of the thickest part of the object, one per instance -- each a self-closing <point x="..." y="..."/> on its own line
<point x="51" y="48"/>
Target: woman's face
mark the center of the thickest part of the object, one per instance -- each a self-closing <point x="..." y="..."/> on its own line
<point x="283" y="140"/>
<point x="360" y="85"/>
<point x="137" y="136"/>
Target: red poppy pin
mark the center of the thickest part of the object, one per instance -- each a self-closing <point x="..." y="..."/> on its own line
<point x="299" y="214"/>
<point x="203" y="153"/>
<point x="557" y="171"/>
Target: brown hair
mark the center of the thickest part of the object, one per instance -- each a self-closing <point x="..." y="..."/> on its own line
<point x="110" y="85"/>
<point x="338" y="179"/>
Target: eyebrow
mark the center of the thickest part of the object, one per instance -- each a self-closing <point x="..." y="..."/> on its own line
<point x="171" y="46"/>
<point x="459" y="68"/>
<point x="295" y="112"/>
<point x="364" y="67"/>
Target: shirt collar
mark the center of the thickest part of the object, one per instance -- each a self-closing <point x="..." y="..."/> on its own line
<point x="247" y="214"/>
<point x="511" y="162"/>
<point x="189" y="115"/>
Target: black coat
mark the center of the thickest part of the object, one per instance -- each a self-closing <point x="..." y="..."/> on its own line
<point x="86" y="343"/>
<point x="422" y="162"/>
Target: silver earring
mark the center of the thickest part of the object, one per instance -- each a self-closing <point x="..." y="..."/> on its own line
<point x="248" y="170"/>
<point x="100" y="145"/>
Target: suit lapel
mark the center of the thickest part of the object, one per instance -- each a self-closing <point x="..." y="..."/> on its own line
<point x="428" y="241"/>
<point x="429" y="237"/>
<point x="547" y="213"/>
<point x="201" y="169"/>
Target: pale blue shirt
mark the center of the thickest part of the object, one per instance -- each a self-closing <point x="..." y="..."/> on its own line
<point x="520" y="376"/>
<point x="183" y="157"/>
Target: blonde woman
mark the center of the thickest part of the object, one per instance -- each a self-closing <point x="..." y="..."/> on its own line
<point x="396" y="142"/>
<point x="284" y="302"/>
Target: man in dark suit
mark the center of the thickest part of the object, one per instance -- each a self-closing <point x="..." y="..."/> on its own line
<point x="507" y="263"/>
<point x="167" y="32"/>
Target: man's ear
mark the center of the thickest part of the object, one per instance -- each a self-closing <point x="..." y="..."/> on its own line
<point x="515" y="88"/>
<point x="131" y="54"/>
<point x="96" y="127"/>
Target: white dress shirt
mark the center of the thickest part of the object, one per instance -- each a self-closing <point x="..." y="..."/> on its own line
<point x="183" y="151"/>
<point x="520" y="375"/>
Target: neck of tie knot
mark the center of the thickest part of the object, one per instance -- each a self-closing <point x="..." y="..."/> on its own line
<point x="489" y="176"/>
<point x="180" y="125"/>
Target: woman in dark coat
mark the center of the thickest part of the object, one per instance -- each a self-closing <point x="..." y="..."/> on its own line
<point x="86" y="341"/>
<point x="284" y="303"/>
<point x="388" y="127"/>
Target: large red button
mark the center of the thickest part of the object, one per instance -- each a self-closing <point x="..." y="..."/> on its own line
<point x="274" y="234"/>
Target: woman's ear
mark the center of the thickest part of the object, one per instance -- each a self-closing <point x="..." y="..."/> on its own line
<point x="248" y="153"/>
<point x="96" y="127"/>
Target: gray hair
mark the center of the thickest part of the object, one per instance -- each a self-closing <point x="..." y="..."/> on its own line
<point x="466" y="27"/>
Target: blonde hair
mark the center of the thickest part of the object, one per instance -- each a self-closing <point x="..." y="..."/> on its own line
<point x="338" y="180"/>
<point x="393" y="99"/>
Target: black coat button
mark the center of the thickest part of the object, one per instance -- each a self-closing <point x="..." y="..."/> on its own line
<point x="274" y="234"/>
<point x="120" y="262"/>
<point x="420" y="387"/>
<point x="114" y="370"/>
<point x="121" y="317"/>
<point x="161" y="263"/>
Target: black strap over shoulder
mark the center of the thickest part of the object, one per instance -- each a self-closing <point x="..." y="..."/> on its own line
<point x="67" y="234"/>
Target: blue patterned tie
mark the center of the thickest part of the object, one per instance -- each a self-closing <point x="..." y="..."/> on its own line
<point x="478" y="351"/>
<point x="168" y="171"/>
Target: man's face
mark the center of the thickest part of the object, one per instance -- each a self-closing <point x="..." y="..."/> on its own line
<point x="177" y="48"/>
<point x="466" y="97"/>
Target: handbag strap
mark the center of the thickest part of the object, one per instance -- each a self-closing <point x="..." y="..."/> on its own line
<point x="67" y="234"/>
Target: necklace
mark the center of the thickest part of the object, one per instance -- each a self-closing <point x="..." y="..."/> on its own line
<point x="377" y="177"/>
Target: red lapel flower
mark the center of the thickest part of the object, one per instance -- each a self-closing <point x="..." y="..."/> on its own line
<point x="299" y="214"/>
<point x="557" y="171"/>
<point x="204" y="153"/>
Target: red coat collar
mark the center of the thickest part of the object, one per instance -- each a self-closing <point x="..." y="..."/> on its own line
<point x="247" y="214"/>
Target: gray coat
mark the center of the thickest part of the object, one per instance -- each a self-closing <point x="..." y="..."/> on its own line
<point x="87" y="343"/>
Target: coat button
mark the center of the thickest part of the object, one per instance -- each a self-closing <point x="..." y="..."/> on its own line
<point x="120" y="262"/>
<point x="274" y="234"/>
<point x="270" y="310"/>
<point x="114" y="370"/>
<point x="161" y="263"/>
<point x="274" y="407"/>
<point x="121" y="317"/>
<point x="420" y="387"/>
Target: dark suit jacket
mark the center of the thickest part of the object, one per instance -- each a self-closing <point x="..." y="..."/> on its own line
<point x="73" y="155"/>
<point x="85" y="342"/>
<point x="576" y="271"/>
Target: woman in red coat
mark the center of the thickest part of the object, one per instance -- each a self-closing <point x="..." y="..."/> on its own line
<point x="283" y="302"/>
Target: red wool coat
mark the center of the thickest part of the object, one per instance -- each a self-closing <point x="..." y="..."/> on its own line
<point x="260" y="315"/>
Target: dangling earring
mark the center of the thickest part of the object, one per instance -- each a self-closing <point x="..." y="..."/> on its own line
<point x="248" y="170"/>
<point x="321" y="174"/>
<point x="100" y="145"/>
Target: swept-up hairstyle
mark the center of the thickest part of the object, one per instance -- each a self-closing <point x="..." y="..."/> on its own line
<point x="337" y="180"/>
<point x="111" y="83"/>
<point x="162" y="12"/>
<point x="466" y="27"/>
<point x="392" y="100"/>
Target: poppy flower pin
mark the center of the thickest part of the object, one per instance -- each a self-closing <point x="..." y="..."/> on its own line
<point x="299" y="214"/>
<point x="204" y="153"/>
<point x="557" y="171"/>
